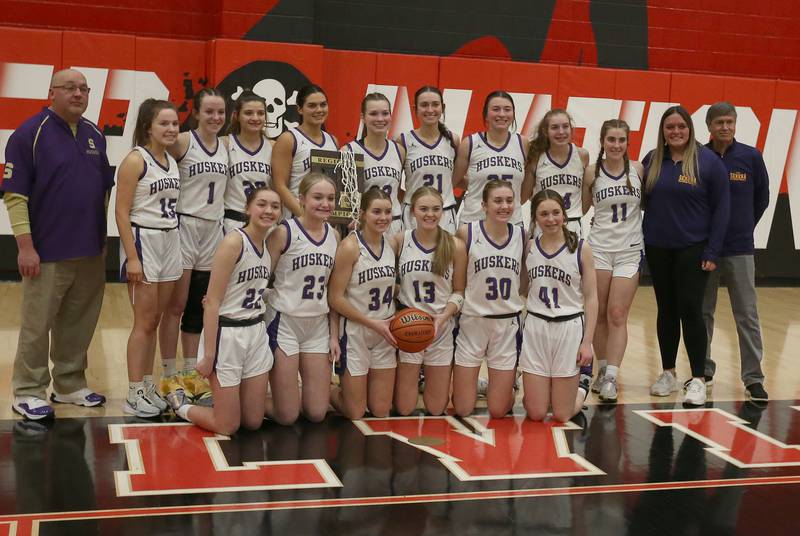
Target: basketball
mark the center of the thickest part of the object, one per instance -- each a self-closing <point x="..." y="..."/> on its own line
<point x="413" y="330"/>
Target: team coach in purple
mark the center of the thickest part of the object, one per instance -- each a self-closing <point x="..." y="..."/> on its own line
<point x="56" y="184"/>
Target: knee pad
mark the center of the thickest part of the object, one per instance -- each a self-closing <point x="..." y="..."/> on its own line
<point x="192" y="320"/>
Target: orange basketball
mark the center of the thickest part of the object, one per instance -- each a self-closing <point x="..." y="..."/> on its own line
<point x="413" y="330"/>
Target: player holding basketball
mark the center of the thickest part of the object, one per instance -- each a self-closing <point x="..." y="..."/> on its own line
<point x="249" y="156"/>
<point x="430" y="153"/>
<point x="496" y="154"/>
<point x="555" y="163"/>
<point x="432" y="271"/>
<point x="562" y="309"/>
<point x="301" y="335"/>
<point x="203" y="168"/>
<point x="235" y="354"/>
<point x="383" y="158"/>
<point x="148" y="184"/>
<point x="489" y="326"/>
<point x="613" y="185"/>
<point x="291" y="160"/>
<point x="362" y="292"/>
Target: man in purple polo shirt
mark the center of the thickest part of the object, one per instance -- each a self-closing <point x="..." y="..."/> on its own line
<point x="749" y="186"/>
<point x="55" y="185"/>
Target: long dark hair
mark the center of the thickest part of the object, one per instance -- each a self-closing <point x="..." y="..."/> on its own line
<point x="148" y="111"/>
<point x="197" y="102"/>
<point x="540" y="143"/>
<point x="303" y="93"/>
<point x="499" y="93"/>
<point x="443" y="130"/>
<point x="246" y="96"/>
<point x="543" y="195"/>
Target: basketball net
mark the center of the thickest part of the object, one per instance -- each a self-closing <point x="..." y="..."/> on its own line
<point x="346" y="169"/>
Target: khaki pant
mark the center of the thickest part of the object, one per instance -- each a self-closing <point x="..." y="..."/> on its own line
<point x="61" y="306"/>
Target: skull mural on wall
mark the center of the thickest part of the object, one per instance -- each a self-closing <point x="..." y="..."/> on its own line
<point x="277" y="82"/>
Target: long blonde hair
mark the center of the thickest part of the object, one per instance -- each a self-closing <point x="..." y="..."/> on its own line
<point x="689" y="166"/>
<point x="540" y="143"/>
<point x="443" y="254"/>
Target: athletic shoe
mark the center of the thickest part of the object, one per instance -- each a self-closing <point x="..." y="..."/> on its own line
<point x="176" y="400"/>
<point x="153" y="396"/>
<point x="171" y="383"/>
<point x="756" y="392"/>
<point x="598" y="382"/>
<point x="583" y="386"/>
<point x="665" y="385"/>
<point x="608" y="391"/>
<point x="141" y="406"/>
<point x="84" y="397"/>
<point x="483" y="386"/>
<point x="206" y="400"/>
<point x="32" y="407"/>
<point x="709" y="384"/>
<point x="695" y="393"/>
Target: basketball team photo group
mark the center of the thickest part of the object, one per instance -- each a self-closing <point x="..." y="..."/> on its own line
<point x="418" y="273"/>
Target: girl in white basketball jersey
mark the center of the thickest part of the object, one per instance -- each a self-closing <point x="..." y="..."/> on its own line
<point x="302" y="335"/>
<point x="203" y="166"/>
<point x="383" y="158"/>
<point x="489" y="326"/>
<point x="234" y="351"/>
<point x="555" y="163"/>
<point x="562" y="309"/>
<point x="249" y="156"/>
<point x="430" y="154"/>
<point x="432" y="272"/>
<point x="291" y="160"/>
<point x="613" y="186"/>
<point x="148" y="184"/>
<point x="362" y="292"/>
<point x="496" y="154"/>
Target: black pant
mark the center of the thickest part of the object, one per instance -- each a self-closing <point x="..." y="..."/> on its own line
<point x="679" y="283"/>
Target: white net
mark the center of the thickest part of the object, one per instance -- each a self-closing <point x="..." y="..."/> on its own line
<point x="348" y="172"/>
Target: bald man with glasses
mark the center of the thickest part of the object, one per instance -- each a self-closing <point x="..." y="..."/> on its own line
<point x="55" y="185"/>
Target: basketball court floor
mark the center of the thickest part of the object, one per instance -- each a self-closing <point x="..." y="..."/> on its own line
<point x="643" y="466"/>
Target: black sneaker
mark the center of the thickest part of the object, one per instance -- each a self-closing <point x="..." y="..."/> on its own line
<point x="756" y="393"/>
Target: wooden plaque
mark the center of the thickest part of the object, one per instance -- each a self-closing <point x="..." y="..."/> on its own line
<point x="326" y="162"/>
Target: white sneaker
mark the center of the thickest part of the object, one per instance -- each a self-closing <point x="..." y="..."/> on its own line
<point x="154" y="397"/>
<point x="83" y="397"/>
<point x="32" y="407"/>
<point x="598" y="381"/>
<point x="483" y="386"/>
<point x="695" y="393"/>
<point x="665" y="385"/>
<point x="608" y="390"/>
<point x="141" y="406"/>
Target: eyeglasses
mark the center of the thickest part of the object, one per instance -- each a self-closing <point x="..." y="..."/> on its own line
<point x="70" y="88"/>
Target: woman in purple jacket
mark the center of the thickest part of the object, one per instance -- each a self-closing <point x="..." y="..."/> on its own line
<point x="687" y="202"/>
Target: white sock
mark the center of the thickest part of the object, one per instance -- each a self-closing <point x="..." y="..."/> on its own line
<point x="189" y="364"/>
<point x="611" y="371"/>
<point x="183" y="412"/>
<point x="603" y="364"/>
<point x="169" y="366"/>
<point x="147" y="380"/>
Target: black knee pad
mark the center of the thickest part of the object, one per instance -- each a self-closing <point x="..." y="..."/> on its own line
<point x="192" y="320"/>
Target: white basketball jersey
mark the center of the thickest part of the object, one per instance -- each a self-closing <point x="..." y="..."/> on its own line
<point x="247" y="171"/>
<point x="301" y="155"/>
<point x="156" y="193"/>
<point x="303" y="271"/>
<point x="419" y="286"/>
<point x="486" y="163"/>
<point x="244" y="296"/>
<point x="554" y="281"/>
<point x="371" y="285"/>
<point x="493" y="272"/>
<point x="204" y="175"/>
<point x="566" y="180"/>
<point x="429" y="165"/>
<point x="617" y="212"/>
<point x="384" y="171"/>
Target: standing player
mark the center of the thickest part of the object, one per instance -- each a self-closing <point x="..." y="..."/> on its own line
<point x="383" y="158"/>
<point x="555" y="163"/>
<point x="249" y="156"/>
<point x="301" y="335"/>
<point x="432" y="271"/>
<point x="613" y="185"/>
<point x="203" y="168"/>
<point x="494" y="154"/>
<point x="562" y="309"/>
<point x="362" y="292"/>
<point x="489" y="326"/>
<point x="235" y="354"/>
<point x="292" y="152"/>
<point x="430" y="153"/>
<point x="150" y="253"/>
